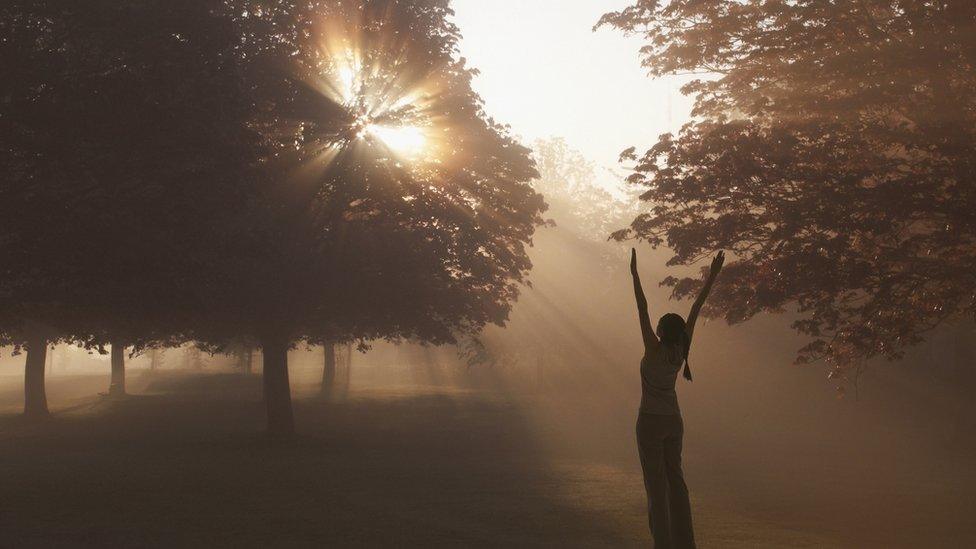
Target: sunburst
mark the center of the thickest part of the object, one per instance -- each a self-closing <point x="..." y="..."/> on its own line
<point x="408" y="140"/>
<point x="389" y="104"/>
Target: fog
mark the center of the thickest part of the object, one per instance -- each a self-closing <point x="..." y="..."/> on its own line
<point x="358" y="274"/>
<point x="775" y="453"/>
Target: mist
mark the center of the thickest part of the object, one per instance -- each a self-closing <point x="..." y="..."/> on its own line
<point x="391" y="273"/>
<point x="781" y="455"/>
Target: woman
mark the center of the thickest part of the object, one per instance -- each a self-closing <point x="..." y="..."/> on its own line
<point x="659" y="425"/>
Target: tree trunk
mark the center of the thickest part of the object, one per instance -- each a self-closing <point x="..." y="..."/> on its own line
<point x="49" y="360"/>
<point x="329" y="366"/>
<point x="191" y="358"/>
<point x="197" y="359"/>
<point x="117" y="385"/>
<point x="35" y="397"/>
<point x="348" y="374"/>
<point x="240" y="357"/>
<point x="277" y="392"/>
<point x="963" y="380"/>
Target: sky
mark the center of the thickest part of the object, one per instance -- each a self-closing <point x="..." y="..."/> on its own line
<point x="545" y="72"/>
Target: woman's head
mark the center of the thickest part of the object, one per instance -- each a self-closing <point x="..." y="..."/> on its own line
<point x="671" y="329"/>
<point x="673" y="332"/>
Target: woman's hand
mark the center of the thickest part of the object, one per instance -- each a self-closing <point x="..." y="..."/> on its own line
<point x="717" y="263"/>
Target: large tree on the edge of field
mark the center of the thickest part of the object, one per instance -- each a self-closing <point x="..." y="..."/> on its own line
<point x="32" y="277"/>
<point x="121" y="155"/>
<point x="392" y="206"/>
<point x="166" y="144"/>
<point x="833" y="150"/>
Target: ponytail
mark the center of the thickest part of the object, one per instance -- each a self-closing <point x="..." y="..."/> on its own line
<point x="686" y="343"/>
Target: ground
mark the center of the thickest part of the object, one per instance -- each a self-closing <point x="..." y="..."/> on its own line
<point x="184" y="463"/>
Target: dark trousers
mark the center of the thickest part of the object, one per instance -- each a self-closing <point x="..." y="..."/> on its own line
<point x="668" y="509"/>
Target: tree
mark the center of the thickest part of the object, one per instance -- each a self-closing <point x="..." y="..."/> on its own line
<point x="121" y="156"/>
<point x="30" y="289"/>
<point x="832" y="151"/>
<point x="157" y="357"/>
<point x="192" y="357"/>
<point x="577" y="195"/>
<point x="328" y="365"/>
<point x="390" y="205"/>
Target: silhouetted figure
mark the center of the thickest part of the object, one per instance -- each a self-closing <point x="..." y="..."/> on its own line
<point x="659" y="426"/>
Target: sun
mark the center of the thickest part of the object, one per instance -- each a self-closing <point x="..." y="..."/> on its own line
<point x="392" y="103"/>
<point x="395" y="121"/>
<point x="404" y="140"/>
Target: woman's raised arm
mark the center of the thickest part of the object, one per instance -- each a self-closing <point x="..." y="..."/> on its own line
<point x="717" y="263"/>
<point x="650" y="340"/>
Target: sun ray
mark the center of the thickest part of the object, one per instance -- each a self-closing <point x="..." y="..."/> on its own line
<point x="407" y="141"/>
<point x="390" y="100"/>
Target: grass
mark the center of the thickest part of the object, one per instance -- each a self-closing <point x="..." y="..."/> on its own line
<point x="185" y="464"/>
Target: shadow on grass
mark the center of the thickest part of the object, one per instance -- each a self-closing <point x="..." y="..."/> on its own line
<point x="179" y="468"/>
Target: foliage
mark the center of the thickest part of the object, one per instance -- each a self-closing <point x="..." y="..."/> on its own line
<point x="832" y="151"/>
<point x="228" y="170"/>
<point x="361" y="239"/>
<point x="120" y="161"/>
<point x="151" y="157"/>
<point x="577" y="197"/>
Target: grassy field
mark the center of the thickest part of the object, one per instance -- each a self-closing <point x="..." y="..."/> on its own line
<point x="183" y="463"/>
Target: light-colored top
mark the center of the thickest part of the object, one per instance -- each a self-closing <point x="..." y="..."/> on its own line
<point x="659" y="371"/>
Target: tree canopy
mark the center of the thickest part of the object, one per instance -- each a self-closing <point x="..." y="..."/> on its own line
<point x="122" y="157"/>
<point x="832" y="150"/>
<point x="387" y="241"/>
<point x="240" y="170"/>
